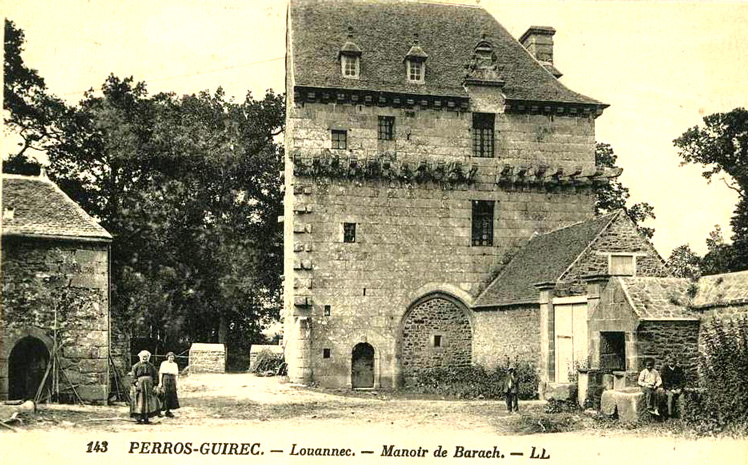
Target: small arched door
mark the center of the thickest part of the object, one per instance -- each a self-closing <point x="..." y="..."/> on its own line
<point x="362" y="366"/>
<point x="26" y="367"/>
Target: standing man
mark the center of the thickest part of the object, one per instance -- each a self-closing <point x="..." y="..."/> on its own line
<point x="672" y="382"/>
<point x="650" y="382"/>
<point x="511" y="390"/>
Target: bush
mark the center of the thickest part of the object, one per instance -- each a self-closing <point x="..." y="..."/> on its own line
<point x="474" y="382"/>
<point x="268" y="362"/>
<point x="720" y="402"/>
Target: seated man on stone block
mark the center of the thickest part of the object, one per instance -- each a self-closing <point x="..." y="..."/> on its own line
<point x="672" y="382"/>
<point x="650" y="382"/>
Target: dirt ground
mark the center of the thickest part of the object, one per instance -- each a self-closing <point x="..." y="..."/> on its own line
<point x="225" y="400"/>
<point x="278" y="418"/>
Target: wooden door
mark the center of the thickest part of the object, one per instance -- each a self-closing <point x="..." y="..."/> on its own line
<point x="362" y="366"/>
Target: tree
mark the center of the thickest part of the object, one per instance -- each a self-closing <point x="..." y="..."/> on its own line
<point x="614" y="195"/>
<point x="721" y="147"/>
<point x="31" y="112"/>
<point x="684" y="262"/>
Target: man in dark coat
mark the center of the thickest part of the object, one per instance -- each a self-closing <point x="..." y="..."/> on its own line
<point x="511" y="390"/>
<point x="672" y="382"/>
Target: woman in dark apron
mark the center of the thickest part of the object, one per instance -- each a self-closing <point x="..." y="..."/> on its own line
<point x="143" y="400"/>
<point x="168" y="373"/>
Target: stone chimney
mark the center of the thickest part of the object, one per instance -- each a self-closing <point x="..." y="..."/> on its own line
<point x="538" y="40"/>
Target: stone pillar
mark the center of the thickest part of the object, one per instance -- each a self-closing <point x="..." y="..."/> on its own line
<point x="547" y="363"/>
<point x="595" y="285"/>
<point x="300" y="353"/>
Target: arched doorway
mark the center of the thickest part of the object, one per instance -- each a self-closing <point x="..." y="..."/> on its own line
<point x="436" y="332"/>
<point x="26" y="367"/>
<point x="362" y="366"/>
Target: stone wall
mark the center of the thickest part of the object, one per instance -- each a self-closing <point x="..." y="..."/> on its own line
<point x="507" y="334"/>
<point x="409" y="235"/>
<point x="436" y="333"/>
<point x="207" y="358"/>
<point x="41" y="276"/>
<point x="660" y="339"/>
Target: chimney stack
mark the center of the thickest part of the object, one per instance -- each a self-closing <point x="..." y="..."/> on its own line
<point x="538" y="40"/>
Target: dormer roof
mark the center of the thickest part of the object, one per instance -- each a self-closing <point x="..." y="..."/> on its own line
<point x="385" y="29"/>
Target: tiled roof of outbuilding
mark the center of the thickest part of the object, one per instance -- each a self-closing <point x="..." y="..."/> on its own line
<point x="41" y="209"/>
<point x="659" y="298"/>
<point x="384" y="29"/>
<point x="543" y="259"/>
<point x="722" y="289"/>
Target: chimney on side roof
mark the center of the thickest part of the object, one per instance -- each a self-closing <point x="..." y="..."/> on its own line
<point x="538" y="40"/>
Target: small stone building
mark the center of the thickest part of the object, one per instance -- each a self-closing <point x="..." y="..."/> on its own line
<point x="632" y="319"/>
<point x="55" y="294"/>
<point x="424" y="145"/>
<point x="537" y="308"/>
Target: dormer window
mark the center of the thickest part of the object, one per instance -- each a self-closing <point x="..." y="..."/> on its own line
<point x="415" y="71"/>
<point x="349" y="66"/>
<point x="415" y="60"/>
<point x="350" y="58"/>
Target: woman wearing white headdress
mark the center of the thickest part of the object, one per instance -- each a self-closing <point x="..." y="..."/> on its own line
<point x="143" y="401"/>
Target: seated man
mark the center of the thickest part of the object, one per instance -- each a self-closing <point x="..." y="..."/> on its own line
<point x="650" y="382"/>
<point x="672" y="382"/>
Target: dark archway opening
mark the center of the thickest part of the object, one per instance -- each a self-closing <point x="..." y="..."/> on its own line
<point x="362" y="366"/>
<point x="26" y="367"/>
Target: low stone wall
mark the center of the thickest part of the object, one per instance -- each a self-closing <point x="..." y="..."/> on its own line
<point x="207" y="358"/>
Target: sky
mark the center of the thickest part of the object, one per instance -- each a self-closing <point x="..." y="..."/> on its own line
<point x="661" y="66"/>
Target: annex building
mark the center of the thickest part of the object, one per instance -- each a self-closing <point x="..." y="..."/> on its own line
<point x="54" y="325"/>
<point x="436" y="172"/>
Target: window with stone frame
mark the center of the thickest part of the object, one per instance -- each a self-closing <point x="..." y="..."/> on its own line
<point x="326" y="353"/>
<point x="349" y="232"/>
<point x="350" y="66"/>
<point x="416" y="71"/>
<point x="339" y="139"/>
<point x="482" y="224"/>
<point x="483" y="134"/>
<point x="437" y="341"/>
<point x="386" y="127"/>
<point x="622" y="265"/>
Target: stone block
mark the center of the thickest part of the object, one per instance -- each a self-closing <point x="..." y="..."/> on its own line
<point x="93" y="393"/>
<point x="561" y="392"/>
<point x="628" y="404"/>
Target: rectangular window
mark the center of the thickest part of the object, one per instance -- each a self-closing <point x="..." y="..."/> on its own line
<point x="483" y="222"/>
<point x="339" y="139"/>
<point x="349" y="66"/>
<point x="349" y="232"/>
<point x="622" y="265"/>
<point x="386" y="127"/>
<point x="325" y="353"/>
<point x="327" y="310"/>
<point x="415" y="71"/>
<point x="483" y="134"/>
<point x="437" y="340"/>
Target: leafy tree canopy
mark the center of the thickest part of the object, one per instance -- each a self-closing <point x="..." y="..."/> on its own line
<point x="188" y="186"/>
<point x="720" y="146"/>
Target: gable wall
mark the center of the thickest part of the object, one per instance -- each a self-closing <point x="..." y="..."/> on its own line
<point x="620" y="236"/>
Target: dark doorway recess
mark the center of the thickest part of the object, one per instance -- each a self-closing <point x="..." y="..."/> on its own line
<point x="26" y="367"/>
<point x="362" y="366"/>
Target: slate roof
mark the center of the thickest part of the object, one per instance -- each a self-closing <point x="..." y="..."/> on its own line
<point x="41" y="209"/>
<point x="544" y="258"/>
<point x="385" y="30"/>
<point x="659" y="298"/>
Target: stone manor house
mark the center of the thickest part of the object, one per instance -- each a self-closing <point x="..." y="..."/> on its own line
<point x="439" y="207"/>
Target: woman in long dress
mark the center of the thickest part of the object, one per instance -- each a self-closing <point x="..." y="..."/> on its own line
<point x="168" y="374"/>
<point x="143" y="401"/>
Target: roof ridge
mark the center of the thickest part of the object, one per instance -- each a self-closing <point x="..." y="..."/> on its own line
<point x="579" y="222"/>
<point x="29" y="177"/>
